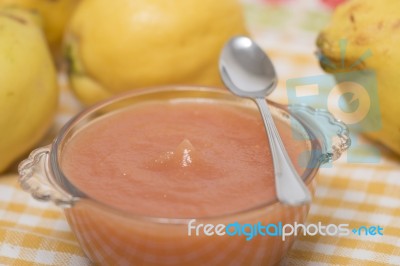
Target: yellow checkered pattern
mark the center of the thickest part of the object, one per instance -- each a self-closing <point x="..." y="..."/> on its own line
<point x="32" y="232"/>
<point x="358" y="195"/>
<point x="35" y="233"/>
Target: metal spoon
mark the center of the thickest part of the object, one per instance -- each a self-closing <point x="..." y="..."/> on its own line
<point x="248" y="72"/>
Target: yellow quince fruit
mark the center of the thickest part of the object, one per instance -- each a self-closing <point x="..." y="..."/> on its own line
<point x="115" y="46"/>
<point x="28" y="91"/>
<point x="55" y="15"/>
<point x="372" y="27"/>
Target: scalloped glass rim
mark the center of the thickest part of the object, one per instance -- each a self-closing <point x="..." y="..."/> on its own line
<point x="342" y="134"/>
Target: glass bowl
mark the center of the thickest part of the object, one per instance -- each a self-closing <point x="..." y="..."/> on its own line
<point x="110" y="236"/>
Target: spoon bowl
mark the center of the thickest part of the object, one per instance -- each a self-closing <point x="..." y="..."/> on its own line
<point x="248" y="72"/>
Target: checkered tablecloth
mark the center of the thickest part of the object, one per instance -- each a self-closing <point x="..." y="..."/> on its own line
<point x="35" y="233"/>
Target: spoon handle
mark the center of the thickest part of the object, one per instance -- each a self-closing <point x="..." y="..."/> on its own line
<point x="290" y="188"/>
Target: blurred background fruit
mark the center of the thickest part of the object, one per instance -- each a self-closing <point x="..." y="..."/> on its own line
<point x="332" y="3"/>
<point x="375" y="26"/>
<point x="28" y="91"/>
<point x="114" y="46"/>
<point x="55" y="14"/>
